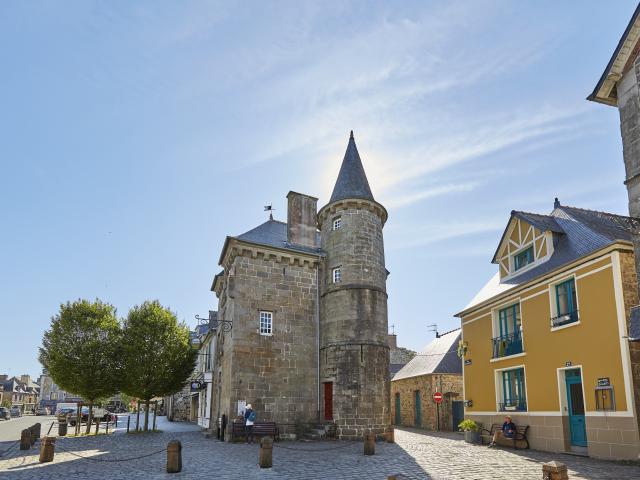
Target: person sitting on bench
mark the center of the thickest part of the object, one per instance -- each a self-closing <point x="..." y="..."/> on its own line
<point x="508" y="430"/>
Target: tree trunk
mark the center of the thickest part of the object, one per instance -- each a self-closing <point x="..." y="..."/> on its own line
<point x="146" y="415"/>
<point x="88" y="430"/>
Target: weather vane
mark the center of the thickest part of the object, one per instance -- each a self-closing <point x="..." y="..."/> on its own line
<point x="269" y="208"/>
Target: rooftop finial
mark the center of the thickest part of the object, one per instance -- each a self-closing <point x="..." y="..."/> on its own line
<point x="351" y="135"/>
<point x="556" y="203"/>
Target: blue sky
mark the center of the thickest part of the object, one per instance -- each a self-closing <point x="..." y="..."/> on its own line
<point x="137" y="135"/>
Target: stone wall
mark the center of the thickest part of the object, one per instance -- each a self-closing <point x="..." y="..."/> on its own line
<point x="449" y="385"/>
<point x="276" y="373"/>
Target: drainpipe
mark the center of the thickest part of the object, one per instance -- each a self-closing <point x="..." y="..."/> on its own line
<point x="318" y="340"/>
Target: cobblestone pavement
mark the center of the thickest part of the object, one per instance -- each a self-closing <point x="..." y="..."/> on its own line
<point x="415" y="456"/>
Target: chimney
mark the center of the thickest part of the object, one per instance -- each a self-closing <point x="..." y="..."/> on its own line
<point x="301" y="219"/>
<point x="25" y="379"/>
<point x="392" y="340"/>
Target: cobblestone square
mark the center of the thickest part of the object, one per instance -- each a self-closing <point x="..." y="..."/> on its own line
<point x="415" y="455"/>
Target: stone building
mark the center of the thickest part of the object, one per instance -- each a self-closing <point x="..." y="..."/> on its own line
<point x="307" y="303"/>
<point x="398" y="356"/>
<point x="437" y="368"/>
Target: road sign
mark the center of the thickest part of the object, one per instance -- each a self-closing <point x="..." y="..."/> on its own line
<point x="437" y="397"/>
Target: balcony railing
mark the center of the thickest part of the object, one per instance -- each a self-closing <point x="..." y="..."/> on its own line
<point x="506" y="345"/>
<point x="564" y="319"/>
<point x="516" y="405"/>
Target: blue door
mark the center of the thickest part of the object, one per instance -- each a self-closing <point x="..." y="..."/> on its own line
<point x="398" y="414"/>
<point x="418" y="410"/>
<point x="457" y="412"/>
<point x="575" y="404"/>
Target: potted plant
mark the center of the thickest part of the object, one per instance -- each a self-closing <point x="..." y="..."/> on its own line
<point x="471" y="431"/>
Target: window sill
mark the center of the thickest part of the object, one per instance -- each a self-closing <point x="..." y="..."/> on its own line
<point x="566" y="325"/>
<point x="515" y="355"/>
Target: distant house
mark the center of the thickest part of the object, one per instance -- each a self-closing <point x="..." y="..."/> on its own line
<point x="20" y="392"/>
<point x="437" y="368"/>
<point x="398" y="356"/>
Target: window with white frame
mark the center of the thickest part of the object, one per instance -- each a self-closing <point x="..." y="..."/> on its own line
<point x="337" y="223"/>
<point x="511" y="390"/>
<point x="564" y="303"/>
<point x="336" y="275"/>
<point x="266" y="323"/>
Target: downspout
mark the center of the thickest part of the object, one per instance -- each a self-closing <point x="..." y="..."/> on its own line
<point x="318" y="340"/>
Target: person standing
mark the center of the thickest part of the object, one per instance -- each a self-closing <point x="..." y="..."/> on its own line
<point x="249" y="420"/>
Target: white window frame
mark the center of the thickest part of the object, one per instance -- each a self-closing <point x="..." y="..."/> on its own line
<point x="265" y="326"/>
<point x="553" y="306"/>
<point x="497" y="378"/>
<point x="337" y="223"/>
<point x="336" y="274"/>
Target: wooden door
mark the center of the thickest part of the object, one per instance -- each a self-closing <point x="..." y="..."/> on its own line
<point x="328" y="400"/>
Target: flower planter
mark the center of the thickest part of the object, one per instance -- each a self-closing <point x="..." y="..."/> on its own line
<point x="472" y="437"/>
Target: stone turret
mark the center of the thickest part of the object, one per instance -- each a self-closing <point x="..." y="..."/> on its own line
<point x="354" y="350"/>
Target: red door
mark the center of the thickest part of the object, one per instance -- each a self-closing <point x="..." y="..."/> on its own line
<point x="328" y="400"/>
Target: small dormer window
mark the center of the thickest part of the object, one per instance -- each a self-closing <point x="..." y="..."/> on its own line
<point x="523" y="258"/>
<point x="337" y="223"/>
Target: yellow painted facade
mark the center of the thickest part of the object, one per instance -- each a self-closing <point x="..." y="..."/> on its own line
<point x="594" y="344"/>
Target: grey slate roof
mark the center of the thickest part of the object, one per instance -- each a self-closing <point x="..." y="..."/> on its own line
<point x="583" y="232"/>
<point x="273" y="233"/>
<point x="352" y="181"/>
<point x="439" y="356"/>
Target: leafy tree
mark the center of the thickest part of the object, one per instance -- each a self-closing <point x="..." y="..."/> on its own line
<point x="157" y="355"/>
<point x="80" y="350"/>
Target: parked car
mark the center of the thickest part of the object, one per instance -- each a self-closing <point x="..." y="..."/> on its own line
<point x="15" y="412"/>
<point x="98" y="413"/>
<point x="5" y="414"/>
<point x="63" y="413"/>
<point x="42" y="411"/>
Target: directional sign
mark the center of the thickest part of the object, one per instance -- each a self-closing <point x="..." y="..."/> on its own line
<point x="437" y="397"/>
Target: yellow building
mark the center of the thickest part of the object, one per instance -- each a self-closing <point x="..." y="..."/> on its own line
<point x="546" y="337"/>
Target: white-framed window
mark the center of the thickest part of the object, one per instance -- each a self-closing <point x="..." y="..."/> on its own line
<point x="511" y="392"/>
<point x="337" y="223"/>
<point x="563" y="298"/>
<point x="266" y="323"/>
<point x="336" y="275"/>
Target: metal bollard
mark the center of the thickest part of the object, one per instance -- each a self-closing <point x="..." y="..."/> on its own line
<point x="554" y="471"/>
<point x="266" y="452"/>
<point x="62" y="428"/>
<point x="128" y="422"/>
<point x="369" y="443"/>
<point x="25" y="439"/>
<point x="47" y="449"/>
<point x="390" y="435"/>
<point x="174" y="456"/>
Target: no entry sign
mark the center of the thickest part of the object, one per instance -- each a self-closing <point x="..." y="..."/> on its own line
<point x="437" y="397"/>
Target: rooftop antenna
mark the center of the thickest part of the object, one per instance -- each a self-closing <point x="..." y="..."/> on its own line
<point x="434" y="328"/>
<point x="269" y="208"/>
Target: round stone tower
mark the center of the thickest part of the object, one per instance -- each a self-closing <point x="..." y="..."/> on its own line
<point x="354" y="353"/>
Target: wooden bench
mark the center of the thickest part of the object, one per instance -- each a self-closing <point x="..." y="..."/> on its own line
<point x="260" y="429"/>
<point x="520" y="435"/>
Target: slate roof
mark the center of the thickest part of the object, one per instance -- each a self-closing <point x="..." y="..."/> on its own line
<point x="352" y="181"/>
<point x="439" y="356"/>
<point x="273" y="233"/>
<point x="582" y="233"/>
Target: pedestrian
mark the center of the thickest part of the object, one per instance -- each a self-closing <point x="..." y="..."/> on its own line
<point x="249" y="420"/>
<point x="508" y="430"/>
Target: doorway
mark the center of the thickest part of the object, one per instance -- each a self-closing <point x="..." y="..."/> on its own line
<point x="328" y="400"/>
<point x="418" y="410"/>
<point x="398" y="413"/>
<point x="575" y="407"/>
<point x="457" y="412"/>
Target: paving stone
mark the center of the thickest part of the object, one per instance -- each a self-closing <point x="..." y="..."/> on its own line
<point x="416" y="455"/>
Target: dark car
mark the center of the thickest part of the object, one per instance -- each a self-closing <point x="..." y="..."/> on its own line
<point x="5" y="414"/>
<point x="15" y="412"/>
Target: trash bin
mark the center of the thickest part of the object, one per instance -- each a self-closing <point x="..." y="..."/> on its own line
<point x="62" y="428"/>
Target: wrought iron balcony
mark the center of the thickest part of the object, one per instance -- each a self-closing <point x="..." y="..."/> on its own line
<point x="506" y="345"/>
<point x="515" y="405"/>
<point x="564" y="319"/>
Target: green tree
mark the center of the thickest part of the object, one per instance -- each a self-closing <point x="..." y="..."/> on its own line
<point x="157" y="357"/>
<point x="80" y="350"/>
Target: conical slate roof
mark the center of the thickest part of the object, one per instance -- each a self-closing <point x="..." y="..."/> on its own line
<point x="352" y="181"/>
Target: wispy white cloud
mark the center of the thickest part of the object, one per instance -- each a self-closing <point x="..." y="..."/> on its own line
<point x="411" y="198"/>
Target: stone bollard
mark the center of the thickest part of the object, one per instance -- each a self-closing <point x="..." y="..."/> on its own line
<point x="37" y="427"/>
<point x="390" y="435"/>
<point x="369" y="443"/>
<point x="554" y="471"/>
<point x="47" y="449"/>
<point x="174" y="456"/>
<point x="32" y="434"/>
<point x="62" y="428"/>
<point x="266" y="452"/>
<point x="25" y="439"/>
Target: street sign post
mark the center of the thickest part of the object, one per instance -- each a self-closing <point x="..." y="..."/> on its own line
<point x="437" y="397"/>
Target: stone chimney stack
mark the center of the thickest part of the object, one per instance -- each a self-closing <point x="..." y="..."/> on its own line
<point x="392" y="340"/>
<point x="25" y="379"/>
<point x="301" y="219"/>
